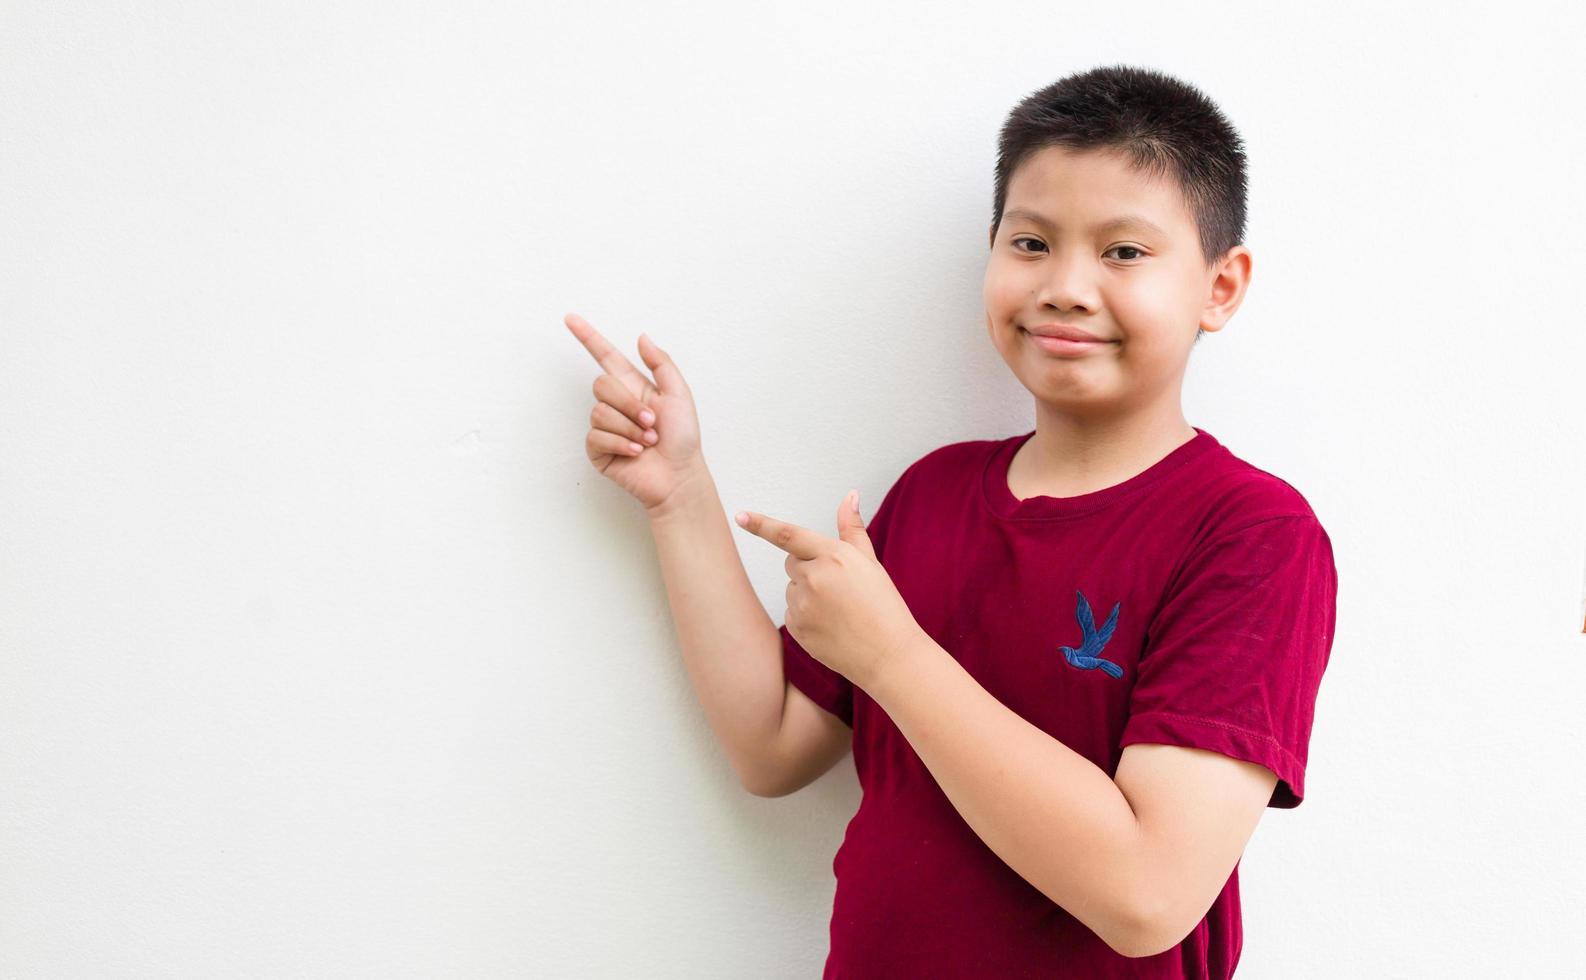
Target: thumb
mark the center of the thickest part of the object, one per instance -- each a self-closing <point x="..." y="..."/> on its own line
<point x="851" y="527"/>
<point x="667" y="377"/>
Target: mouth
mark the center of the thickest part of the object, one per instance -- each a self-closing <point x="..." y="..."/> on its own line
<point x="1062" y="345"/>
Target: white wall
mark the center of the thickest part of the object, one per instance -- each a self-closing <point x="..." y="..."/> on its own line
<point x="326" y="652"/>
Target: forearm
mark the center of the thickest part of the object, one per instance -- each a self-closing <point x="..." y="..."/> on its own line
<point x="730" y="646"/>
<point x="1048" y="812"/>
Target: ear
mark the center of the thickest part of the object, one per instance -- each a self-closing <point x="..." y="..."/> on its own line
<point x="1227" y="289"/>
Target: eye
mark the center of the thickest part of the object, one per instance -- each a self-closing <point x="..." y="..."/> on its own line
<point x="1116" y="248"/>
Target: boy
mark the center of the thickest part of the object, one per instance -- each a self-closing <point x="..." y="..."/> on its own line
<point x="1075" y="666"/>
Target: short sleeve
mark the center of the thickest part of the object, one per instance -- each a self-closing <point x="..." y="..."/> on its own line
<point x="826" y="687"/>
<point x="1234" y="657"/>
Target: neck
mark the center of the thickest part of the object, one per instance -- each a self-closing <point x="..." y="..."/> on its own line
<point x="1071" y="455"/>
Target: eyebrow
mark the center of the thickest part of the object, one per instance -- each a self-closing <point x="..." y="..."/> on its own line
<point x="1134" y="221"/>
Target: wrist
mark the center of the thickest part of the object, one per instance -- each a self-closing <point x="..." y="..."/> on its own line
<point x="695" y="492"/>
<point x="902" y="659"/>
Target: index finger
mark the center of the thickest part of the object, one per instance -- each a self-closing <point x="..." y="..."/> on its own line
<point x="605" y="354"/>
<point x="800" y="542"/>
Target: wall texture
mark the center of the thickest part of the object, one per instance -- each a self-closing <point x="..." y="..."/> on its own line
<point x="325" y="652"/>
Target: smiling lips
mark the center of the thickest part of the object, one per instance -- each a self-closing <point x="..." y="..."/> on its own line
<point x="1064" y="344"/>
<point x="1062" y="330"/>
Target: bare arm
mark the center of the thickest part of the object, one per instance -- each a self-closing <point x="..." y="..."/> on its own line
<point x="731" y="648"/>
<point x="644" y="436"/>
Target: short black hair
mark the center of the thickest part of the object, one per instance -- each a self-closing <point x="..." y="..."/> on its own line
<point x="1164" y="126"/>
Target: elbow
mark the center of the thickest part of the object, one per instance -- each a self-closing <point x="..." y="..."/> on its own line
<point x="757" y="780"/>
<point x="1136" y="943"/>
<point x="1141" y="945"/>
<point x="1125" y="930"/>
<point x="1139" y="928"/>
<point x="765" y="792"/>
<point x="1150" y="933"/>
<point x="763" y="788"/>
<point x="1153" y="913"/>
<point x="756" y="789"/>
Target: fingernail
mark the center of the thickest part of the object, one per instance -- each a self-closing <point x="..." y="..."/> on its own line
<point x="742" y="519"/>
<point x="647" y="417"/>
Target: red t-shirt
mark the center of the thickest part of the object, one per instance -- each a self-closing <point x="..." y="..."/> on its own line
<point x="1192" y="604"/>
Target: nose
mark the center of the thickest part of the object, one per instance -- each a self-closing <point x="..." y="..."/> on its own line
<point x="1066" y="281"/>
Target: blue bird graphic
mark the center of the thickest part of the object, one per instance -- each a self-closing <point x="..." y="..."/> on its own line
<point x="1085" y="657"/>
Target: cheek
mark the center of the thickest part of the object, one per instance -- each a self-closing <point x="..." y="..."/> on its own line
<point x="1146" y="300"/>
<point x="1157" y="297"/>
<point x="1002" y="296"/>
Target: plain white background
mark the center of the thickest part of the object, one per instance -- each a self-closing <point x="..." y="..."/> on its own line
<point x="326" y="652"/>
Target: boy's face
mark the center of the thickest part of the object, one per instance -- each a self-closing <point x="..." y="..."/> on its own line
<point x="1143" y="290"/>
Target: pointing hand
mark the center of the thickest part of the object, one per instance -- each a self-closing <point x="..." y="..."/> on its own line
<point x="841" y="604"/>
<point x="643" y="434"/>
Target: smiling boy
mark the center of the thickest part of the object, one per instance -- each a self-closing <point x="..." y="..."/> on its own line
<point x="1116" y="629"/>
<point x="1075" y="666"/>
